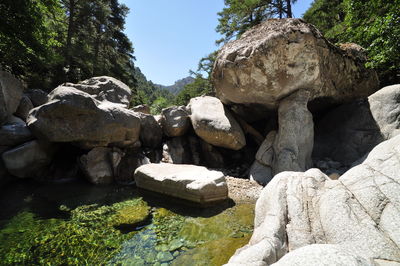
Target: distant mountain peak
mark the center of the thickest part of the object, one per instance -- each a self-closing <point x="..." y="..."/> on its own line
<point x="178" y="85"/>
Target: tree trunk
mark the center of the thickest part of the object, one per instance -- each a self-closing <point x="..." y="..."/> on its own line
<point x="70" y="33"/>
<point x="289" y="9"/>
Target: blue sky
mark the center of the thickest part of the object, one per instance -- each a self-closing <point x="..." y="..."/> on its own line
<point x="170" y="36"/>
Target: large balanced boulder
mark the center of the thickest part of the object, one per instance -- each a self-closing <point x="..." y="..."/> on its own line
<point x="175" y="121"/>
<point x="10" y="95"/>
<point x="350" y="131"/>
<point x="28" y="159"/>
<point x="189" y="182"/>
<point x="280" y="56"/>
<point x="353" y="219"/>
<point x="105" y="88"/>
<point x="72" y="115"/>
<point x="215" y="124"/>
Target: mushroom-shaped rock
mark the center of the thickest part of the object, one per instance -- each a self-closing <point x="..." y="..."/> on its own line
<point x="215" y="124"/>
<point x="10" y="95"/>
<point x="175" y="121"/>
<point x="189" y="182"/>
<point x="72" y="115"/>
<point x="280" y="56"/>
<point x="105" y="88"/>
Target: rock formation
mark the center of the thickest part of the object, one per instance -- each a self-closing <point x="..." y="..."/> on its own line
<point x="71" y="115"/>
<point x="10" y="95"/>
<point x="298" y="210"/>
<point x="280" y="56"/>
<point x="189" y="182"/>
<point x="175" y="121"/>
<point x="284" y="65"/>
<point x="105" y="88"/>
<point x="350" y="131"/>
<point x="215" y="124"/>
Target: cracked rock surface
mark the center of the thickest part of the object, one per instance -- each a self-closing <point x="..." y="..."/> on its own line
<point x="354" y="220"/>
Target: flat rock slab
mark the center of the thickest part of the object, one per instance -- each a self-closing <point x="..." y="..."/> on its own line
<point x="189" y="182"/>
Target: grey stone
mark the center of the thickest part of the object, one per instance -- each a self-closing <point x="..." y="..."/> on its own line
<point x="280" y="56"/>
<point x="75" y="116"/>
<point x="10" y="95"/>
<point x="105" y="88"/>
<point x="177" y="150"/>
<point x="189" y="182"/>
<point x="215" y="124"/>
<point x="100" y="164"/>
<point x="126" y="168"/>
<point x="38" y="97"/>
<point x="150" y="131"/>
<point x="260" y="173"/>
<point x="28" y="159"/>
<point x="350" y="131"/>
<point x="24" y="107"/>
<point x="294" y="142"/>
<point x="14" y="134"/>
<point x="296" y="210"/>
<point x="175" y="121"/>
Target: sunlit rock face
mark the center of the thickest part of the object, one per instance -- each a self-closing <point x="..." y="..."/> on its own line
<point x="279" y="57"/>
<point x="189" y="182"/>
<point x="71" y="115"/>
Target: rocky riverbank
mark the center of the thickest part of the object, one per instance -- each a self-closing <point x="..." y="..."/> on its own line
<point x="293" y="112"/>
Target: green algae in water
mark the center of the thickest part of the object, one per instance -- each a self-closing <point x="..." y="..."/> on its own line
<point x="89" y="237"/>
<point x="178" y="240"/>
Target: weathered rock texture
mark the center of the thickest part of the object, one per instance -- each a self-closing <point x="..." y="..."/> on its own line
<point x="28" y="159"/>
<point x="350" y="131"/>
<point x="100" y="165"/>
<point x="215" y="124"/>
<point x="71" y="115"/>
<point x="10" y="95"/>
<point x="105" y="88"/>
<point x="293" y="144"/>
<point x="189" y="182"/>
<point x="150" y="131"/>
<point x="126" y="168"/>
<point x="278" y="57"/>
<point x="291" y="147"/>
<point x="353" y="219"/>
<point x="175" y="121"/>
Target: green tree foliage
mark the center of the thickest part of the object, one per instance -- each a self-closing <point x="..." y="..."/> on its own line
<point x="240" y="15"/>
<point x="374" y="24"/>
<point x="31" y="34"/>
<point x="328" y="16"/>
<point x="202" y="84"/>
<point x="150" y="94"/>
<point x="47" y="42"/>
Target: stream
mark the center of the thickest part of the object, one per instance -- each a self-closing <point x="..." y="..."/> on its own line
<point x="80" y="224"/>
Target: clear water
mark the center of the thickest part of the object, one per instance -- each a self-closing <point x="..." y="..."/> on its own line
<point x="81" y="224"/>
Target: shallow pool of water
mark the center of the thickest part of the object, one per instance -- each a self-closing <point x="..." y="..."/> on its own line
<point x="78" y="223"/>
